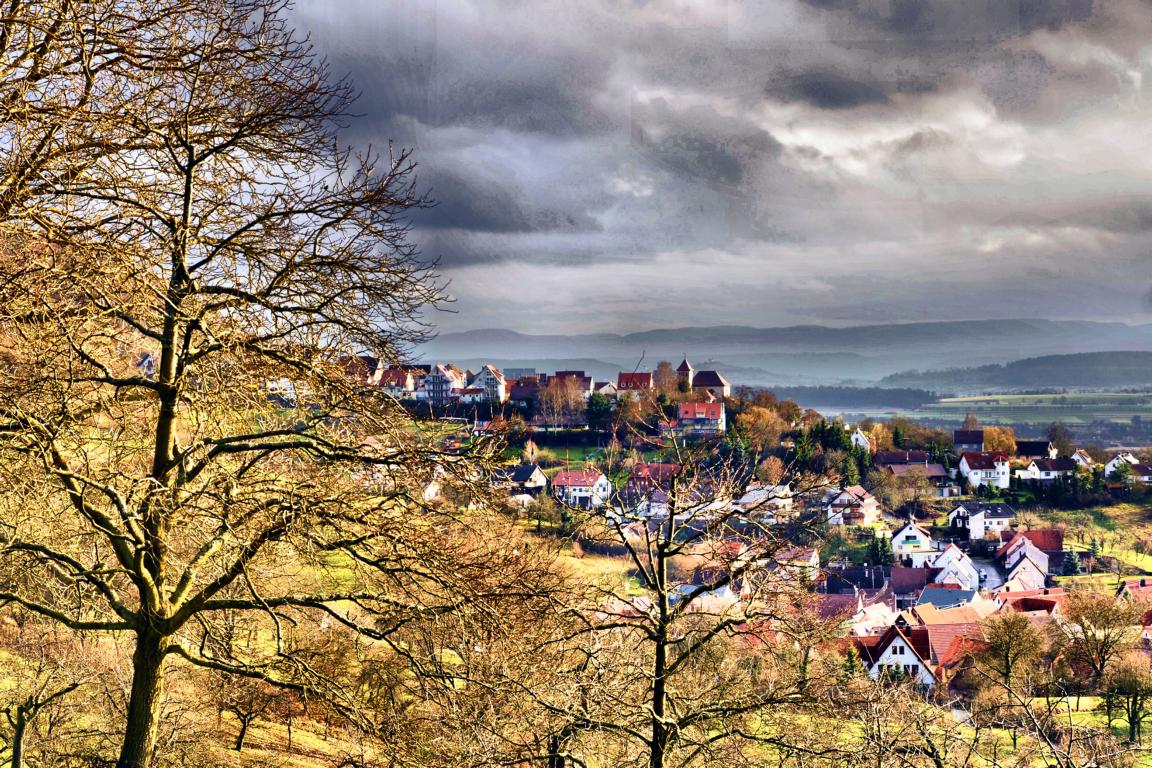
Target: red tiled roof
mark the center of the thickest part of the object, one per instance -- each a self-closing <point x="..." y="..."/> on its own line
<point x="984" y="459"/>
<point x="712" y="411"/>
<point x="1046" y="539"/>
<point x="394" y="377"/>
<point x="634" y="381"/>
<point x="569" y="477"/>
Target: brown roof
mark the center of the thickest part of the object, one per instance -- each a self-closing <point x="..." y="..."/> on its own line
<point x="708" y="379"/>
<point x="886" y="458"/>
<point x="930" y="471"/>
<point x="1029" y="448"/>
<point x="905" y="580"/>
<point x="968" y="436"/>
<point x="1062" y="464"/>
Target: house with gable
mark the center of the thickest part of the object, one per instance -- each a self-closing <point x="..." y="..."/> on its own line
<point x="968" y="440"/>
<point x="397" y="382"/>
<point x="912" y="545"/>
<point x="928" y="655"/>
<point x="953" y="566"/>
<point x="1023" y="561"/>
<point x="1082" y="458"/>
<point x="986" y="468"/>
<point x="851" y="506"/>
<point x="1049" y="470"/>
<point x="443" y="383"/>
<point x="1114" y="462"/>
<point x="861" y="440"/>
<point x="607" y="389"/>
<point x="526" y="479"/>
<point x="587" y="488"/>
<point x="767" y="503"/>
<point x="634" y="384"/>
<point x="979" y="519"/>
<point x="491" y="381"/>
<point x="700" y="420"/>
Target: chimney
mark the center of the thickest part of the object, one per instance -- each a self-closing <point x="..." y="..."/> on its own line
<point x="1142" y="581"/>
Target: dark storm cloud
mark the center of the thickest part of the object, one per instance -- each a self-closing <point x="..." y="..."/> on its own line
<point x="489" y="204"/>
<point x="830" y="91"/>
<point x="961" y="20"/>
<point x="823" y="140"/>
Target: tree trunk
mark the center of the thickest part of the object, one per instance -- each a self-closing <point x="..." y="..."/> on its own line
<point x="144" y="702"/>
<point x="18" y="729"/>
<point x="239" y="745"/>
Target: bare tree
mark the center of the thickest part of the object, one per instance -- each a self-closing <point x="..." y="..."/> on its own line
<point x="721" y="632"/>
<point x="219" y="244"/>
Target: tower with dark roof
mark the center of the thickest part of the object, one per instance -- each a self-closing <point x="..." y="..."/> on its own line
<point x="685" y="371"/>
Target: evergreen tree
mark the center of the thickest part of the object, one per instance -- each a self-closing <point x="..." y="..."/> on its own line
<point x="897" y="436"/>
<point x="1071" y="565"/>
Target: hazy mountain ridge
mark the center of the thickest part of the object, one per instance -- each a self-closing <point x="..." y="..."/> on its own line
<point x="802" y="354"/>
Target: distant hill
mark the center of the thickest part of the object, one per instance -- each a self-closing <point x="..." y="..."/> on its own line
<point x="1091" y="370"/>
<point x="804" y="354"/>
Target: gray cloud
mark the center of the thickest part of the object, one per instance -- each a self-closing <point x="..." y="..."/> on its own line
<point x="598" y="153"/>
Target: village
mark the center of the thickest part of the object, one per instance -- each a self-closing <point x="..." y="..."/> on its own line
<point x="910" y="548"/>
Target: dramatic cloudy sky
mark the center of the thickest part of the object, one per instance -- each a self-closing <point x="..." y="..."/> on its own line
<point x="630" y="164"/>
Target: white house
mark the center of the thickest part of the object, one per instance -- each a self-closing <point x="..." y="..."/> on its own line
<point x="852" y="506"/>
<point x="955" y="568"/>
<point x="897" y="655"/>
<point x="1028" y="565"/>
<point x="914" y="544"/>
<point x="764" y="500"/>
<point x="986" y="468"/>
<point x="861" y="440"/>
<point x="582" y="488"/>
<point x="443" y="382"/>
<point x="981" y="518"/>
<point x="607" y="389"/>
<point x="1117" y="460"/>
<point x="1082" y="458"/>
<point x="491" y="380"/>
<point x="1047" y="470"/>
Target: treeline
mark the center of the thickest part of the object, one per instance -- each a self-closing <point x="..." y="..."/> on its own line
<point x="1090" y="369"/>
<point x="816" y="397"/>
